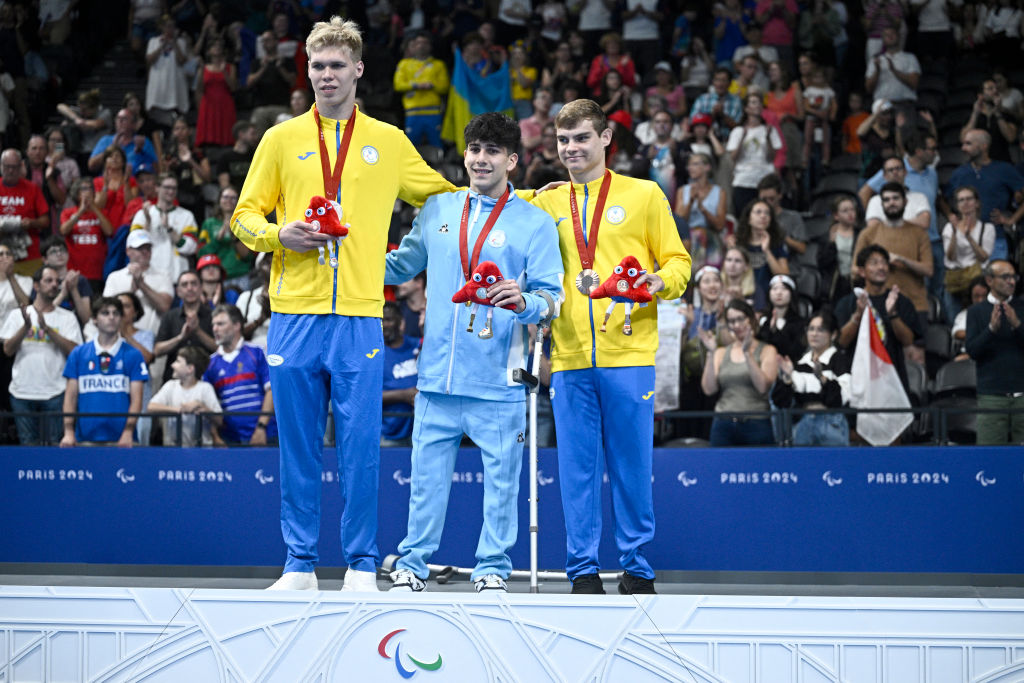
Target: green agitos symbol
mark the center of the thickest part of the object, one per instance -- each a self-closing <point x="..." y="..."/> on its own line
<point x="402" y="671"/>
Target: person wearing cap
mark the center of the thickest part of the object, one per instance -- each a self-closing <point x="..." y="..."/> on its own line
<point x="666" y="87"/>
<point x="187" y="324"/>
<point x="213" y="278"/>
<point x="171" y="227"/>
<point x="877" y="137"/>
<point x="145" y="180"/>
<point x="704" y="140"/>
<point x="154" y="287"/>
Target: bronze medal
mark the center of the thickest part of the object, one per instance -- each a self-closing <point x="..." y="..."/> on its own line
<point x="587" y="281"/>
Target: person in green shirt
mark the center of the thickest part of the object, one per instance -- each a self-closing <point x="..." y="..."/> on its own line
<point x="236" y="258"/>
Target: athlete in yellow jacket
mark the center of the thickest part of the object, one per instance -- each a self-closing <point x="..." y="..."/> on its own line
<point x="325" y="336"/>
<point x="602" y="383"/>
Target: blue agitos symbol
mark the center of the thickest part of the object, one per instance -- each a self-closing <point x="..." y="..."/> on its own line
<point x="402" y="671"/>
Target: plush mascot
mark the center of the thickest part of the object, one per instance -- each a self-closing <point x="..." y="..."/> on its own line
<point x="475" y="292"/>
<point x="325" y="216"/>
<point x="621" y="289"/>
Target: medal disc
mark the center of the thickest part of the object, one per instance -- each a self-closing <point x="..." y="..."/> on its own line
<point x="622" y="286"/>
<point x="587" y="281"/>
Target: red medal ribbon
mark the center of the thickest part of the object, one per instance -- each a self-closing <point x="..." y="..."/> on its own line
<point x="468" y="266"/>
<point x="333" y="180"/>
<point x="586" y="249"/>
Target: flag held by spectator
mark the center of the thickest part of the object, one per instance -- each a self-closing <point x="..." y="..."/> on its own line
<point x="473" y="93"/>
<point x="874" y="383"/>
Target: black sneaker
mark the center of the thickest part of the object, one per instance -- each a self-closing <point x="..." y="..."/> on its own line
<point x="635" y="585"/>
<point x="588" y="584"/>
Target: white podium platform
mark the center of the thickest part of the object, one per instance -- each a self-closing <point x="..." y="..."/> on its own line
<point x="229" y="636"/>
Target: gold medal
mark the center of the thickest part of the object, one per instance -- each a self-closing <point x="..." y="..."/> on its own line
<point x="587" y="281"/>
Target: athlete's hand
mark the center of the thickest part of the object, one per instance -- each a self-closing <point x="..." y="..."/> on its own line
<point x="302" y="237"/>
<point x="550" y="186"/>
<point x="652" y="280"/>
<point x="506" y="292"/>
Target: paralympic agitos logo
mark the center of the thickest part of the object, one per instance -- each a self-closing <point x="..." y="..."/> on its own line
<point x="402" y="671"/>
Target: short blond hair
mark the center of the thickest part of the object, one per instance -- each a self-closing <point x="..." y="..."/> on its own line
<point x="574" y="113"/>
<point x="336" y="33"/>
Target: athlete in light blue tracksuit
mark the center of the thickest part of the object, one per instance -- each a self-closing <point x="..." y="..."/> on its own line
<point x="465" y="382"/>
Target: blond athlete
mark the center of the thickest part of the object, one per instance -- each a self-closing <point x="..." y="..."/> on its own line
<point x="325" y="341"/>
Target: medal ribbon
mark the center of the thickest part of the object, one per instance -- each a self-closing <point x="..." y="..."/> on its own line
<point x="468" y="266"/>
<point x="332" y="180"/>
<point x="585" y="249"/>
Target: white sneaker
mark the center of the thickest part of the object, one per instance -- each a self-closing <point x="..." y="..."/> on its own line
<point x="405" y="580"/>
<point x="360" y="582"/>
<point x="295" y="581"/>
<point x="490" y="582"/>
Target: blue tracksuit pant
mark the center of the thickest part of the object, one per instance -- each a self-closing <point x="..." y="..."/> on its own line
<point x="313" y="359"/>
<point x="604" y="420"/>
<point x="497" y="427"/>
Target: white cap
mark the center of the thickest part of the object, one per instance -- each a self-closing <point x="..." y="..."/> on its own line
<point x="880" y="106"/>
<point x="138" y="238"/>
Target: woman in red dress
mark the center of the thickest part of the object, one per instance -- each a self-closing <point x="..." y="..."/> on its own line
<point x="216" y="104"/>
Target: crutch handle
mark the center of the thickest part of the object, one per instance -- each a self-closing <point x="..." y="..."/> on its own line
<point x="521" y="376"/>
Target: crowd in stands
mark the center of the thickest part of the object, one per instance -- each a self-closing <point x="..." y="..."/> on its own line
<point x="822" y="158"/>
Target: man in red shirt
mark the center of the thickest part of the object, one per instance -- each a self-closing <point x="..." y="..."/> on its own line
<point x="23" y="212"/>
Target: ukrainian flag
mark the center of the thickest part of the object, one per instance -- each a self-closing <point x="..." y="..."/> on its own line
<point x="471" y="94"/>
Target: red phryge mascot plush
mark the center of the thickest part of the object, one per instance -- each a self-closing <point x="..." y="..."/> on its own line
<point x="475" y="292"/>
<point x="620" y="287"/>
<point x="325" y="216"/>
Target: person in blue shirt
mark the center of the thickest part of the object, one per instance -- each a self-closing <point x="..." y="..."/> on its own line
<point x="465" y="379"/>
<point x="104" y="376"/>
<point x="400" y="353"/>
<point x="137" y="148"/>
<point x="240" y="375"/>
<point x="996" y="183"/>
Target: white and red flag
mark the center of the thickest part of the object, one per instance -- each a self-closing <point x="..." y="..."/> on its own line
<point x="874" y="383"/>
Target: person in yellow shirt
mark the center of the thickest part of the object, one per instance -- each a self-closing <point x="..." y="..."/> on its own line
<point x="602" y="383"/>
<point x="423" y="82"/>
<point x="523" y="78"/>
<point x="325" y="340"/>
